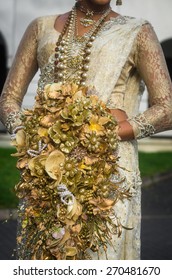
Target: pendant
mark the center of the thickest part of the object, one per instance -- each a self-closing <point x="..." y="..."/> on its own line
<point x="86" y="22"/>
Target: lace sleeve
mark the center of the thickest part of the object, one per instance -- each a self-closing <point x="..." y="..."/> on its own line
<point x="152" y="68"/>
<point x="21" y="73"/>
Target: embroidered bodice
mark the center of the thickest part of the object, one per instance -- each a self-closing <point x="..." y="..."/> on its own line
<point x="125" y="52"/>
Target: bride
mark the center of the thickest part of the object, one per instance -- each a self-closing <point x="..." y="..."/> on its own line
<point x="96" y="51"/>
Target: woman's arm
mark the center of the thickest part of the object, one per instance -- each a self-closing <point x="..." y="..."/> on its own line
<point x="153" y="70"/>
<point x="21" y="73"/>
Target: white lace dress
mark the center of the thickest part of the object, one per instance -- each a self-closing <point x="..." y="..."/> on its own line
<point x="124" y="53"/>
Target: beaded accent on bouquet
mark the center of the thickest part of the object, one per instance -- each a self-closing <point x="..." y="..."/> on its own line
<point x="68" y="160"/>
<point x="65" y="58"/>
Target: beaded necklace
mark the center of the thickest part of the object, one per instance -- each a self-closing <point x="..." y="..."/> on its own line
<point x="66" y="58"/>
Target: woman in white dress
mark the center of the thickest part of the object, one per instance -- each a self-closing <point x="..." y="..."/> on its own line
<point x="92" y="45"/>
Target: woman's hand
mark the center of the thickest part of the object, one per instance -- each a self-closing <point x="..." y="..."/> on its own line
<point x="125" y="128"/>
<point x="119" y="114"/>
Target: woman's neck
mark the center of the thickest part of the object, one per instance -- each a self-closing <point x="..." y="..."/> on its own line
<point x="88" y="5"/>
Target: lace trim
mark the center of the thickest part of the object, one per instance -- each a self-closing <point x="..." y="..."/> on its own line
<point x="141" y="127"/>
<point x="13" y="120"/>
<point x="114" y="20"/>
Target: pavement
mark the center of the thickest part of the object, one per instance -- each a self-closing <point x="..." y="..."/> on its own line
<point x="156" y="229"/>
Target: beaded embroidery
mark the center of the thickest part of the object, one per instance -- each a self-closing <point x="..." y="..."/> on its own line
<point x="144" y="129"/>
<point x="13" y="120"/>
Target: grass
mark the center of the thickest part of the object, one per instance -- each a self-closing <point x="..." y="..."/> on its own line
<point x="9" y="176"/>
<point x="150" y="165"/>
<point x="155" y="163"/>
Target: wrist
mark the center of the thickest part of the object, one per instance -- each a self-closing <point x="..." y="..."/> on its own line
<point x="13" y="121"/>
<point x="125" y="131"/>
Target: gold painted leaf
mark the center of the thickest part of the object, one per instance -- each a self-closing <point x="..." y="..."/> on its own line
<point x="74" y="209"/>
<point x="76" y="228"/>
<point x="90" y="160"/>
<point x="22" y="163"/>
<point x="78" y="96"/>
<point x="95" y="127"/>
<point x="53" y="163"/>
<point x="102" y="204"/>
<point x="71" y="251"/>
<point x="66" y="236"/>
<point x="52" y="90"/>
<point x="47" y="121"/>
<point x="21" y="138"/>
<point x="43" y="132"/>
<point x="103" y="120"/>
<point x="37" y="165"/>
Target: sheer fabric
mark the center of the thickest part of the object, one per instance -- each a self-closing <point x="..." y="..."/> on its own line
<point x="127" y="51"/>
<point x="21" y="73"/>
<point x="153" y="70"/>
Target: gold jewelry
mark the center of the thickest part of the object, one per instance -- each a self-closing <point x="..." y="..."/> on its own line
<point x="85" y="10"/>
<point x="65" y="57"/>
<point x="88" y="20"/>
<point x="118" y="2"/>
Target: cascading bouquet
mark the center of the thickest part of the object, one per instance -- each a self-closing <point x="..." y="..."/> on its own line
<point x="68" y="159"/>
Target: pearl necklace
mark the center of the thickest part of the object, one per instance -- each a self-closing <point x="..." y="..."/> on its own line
<point x="64" y="58"/>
